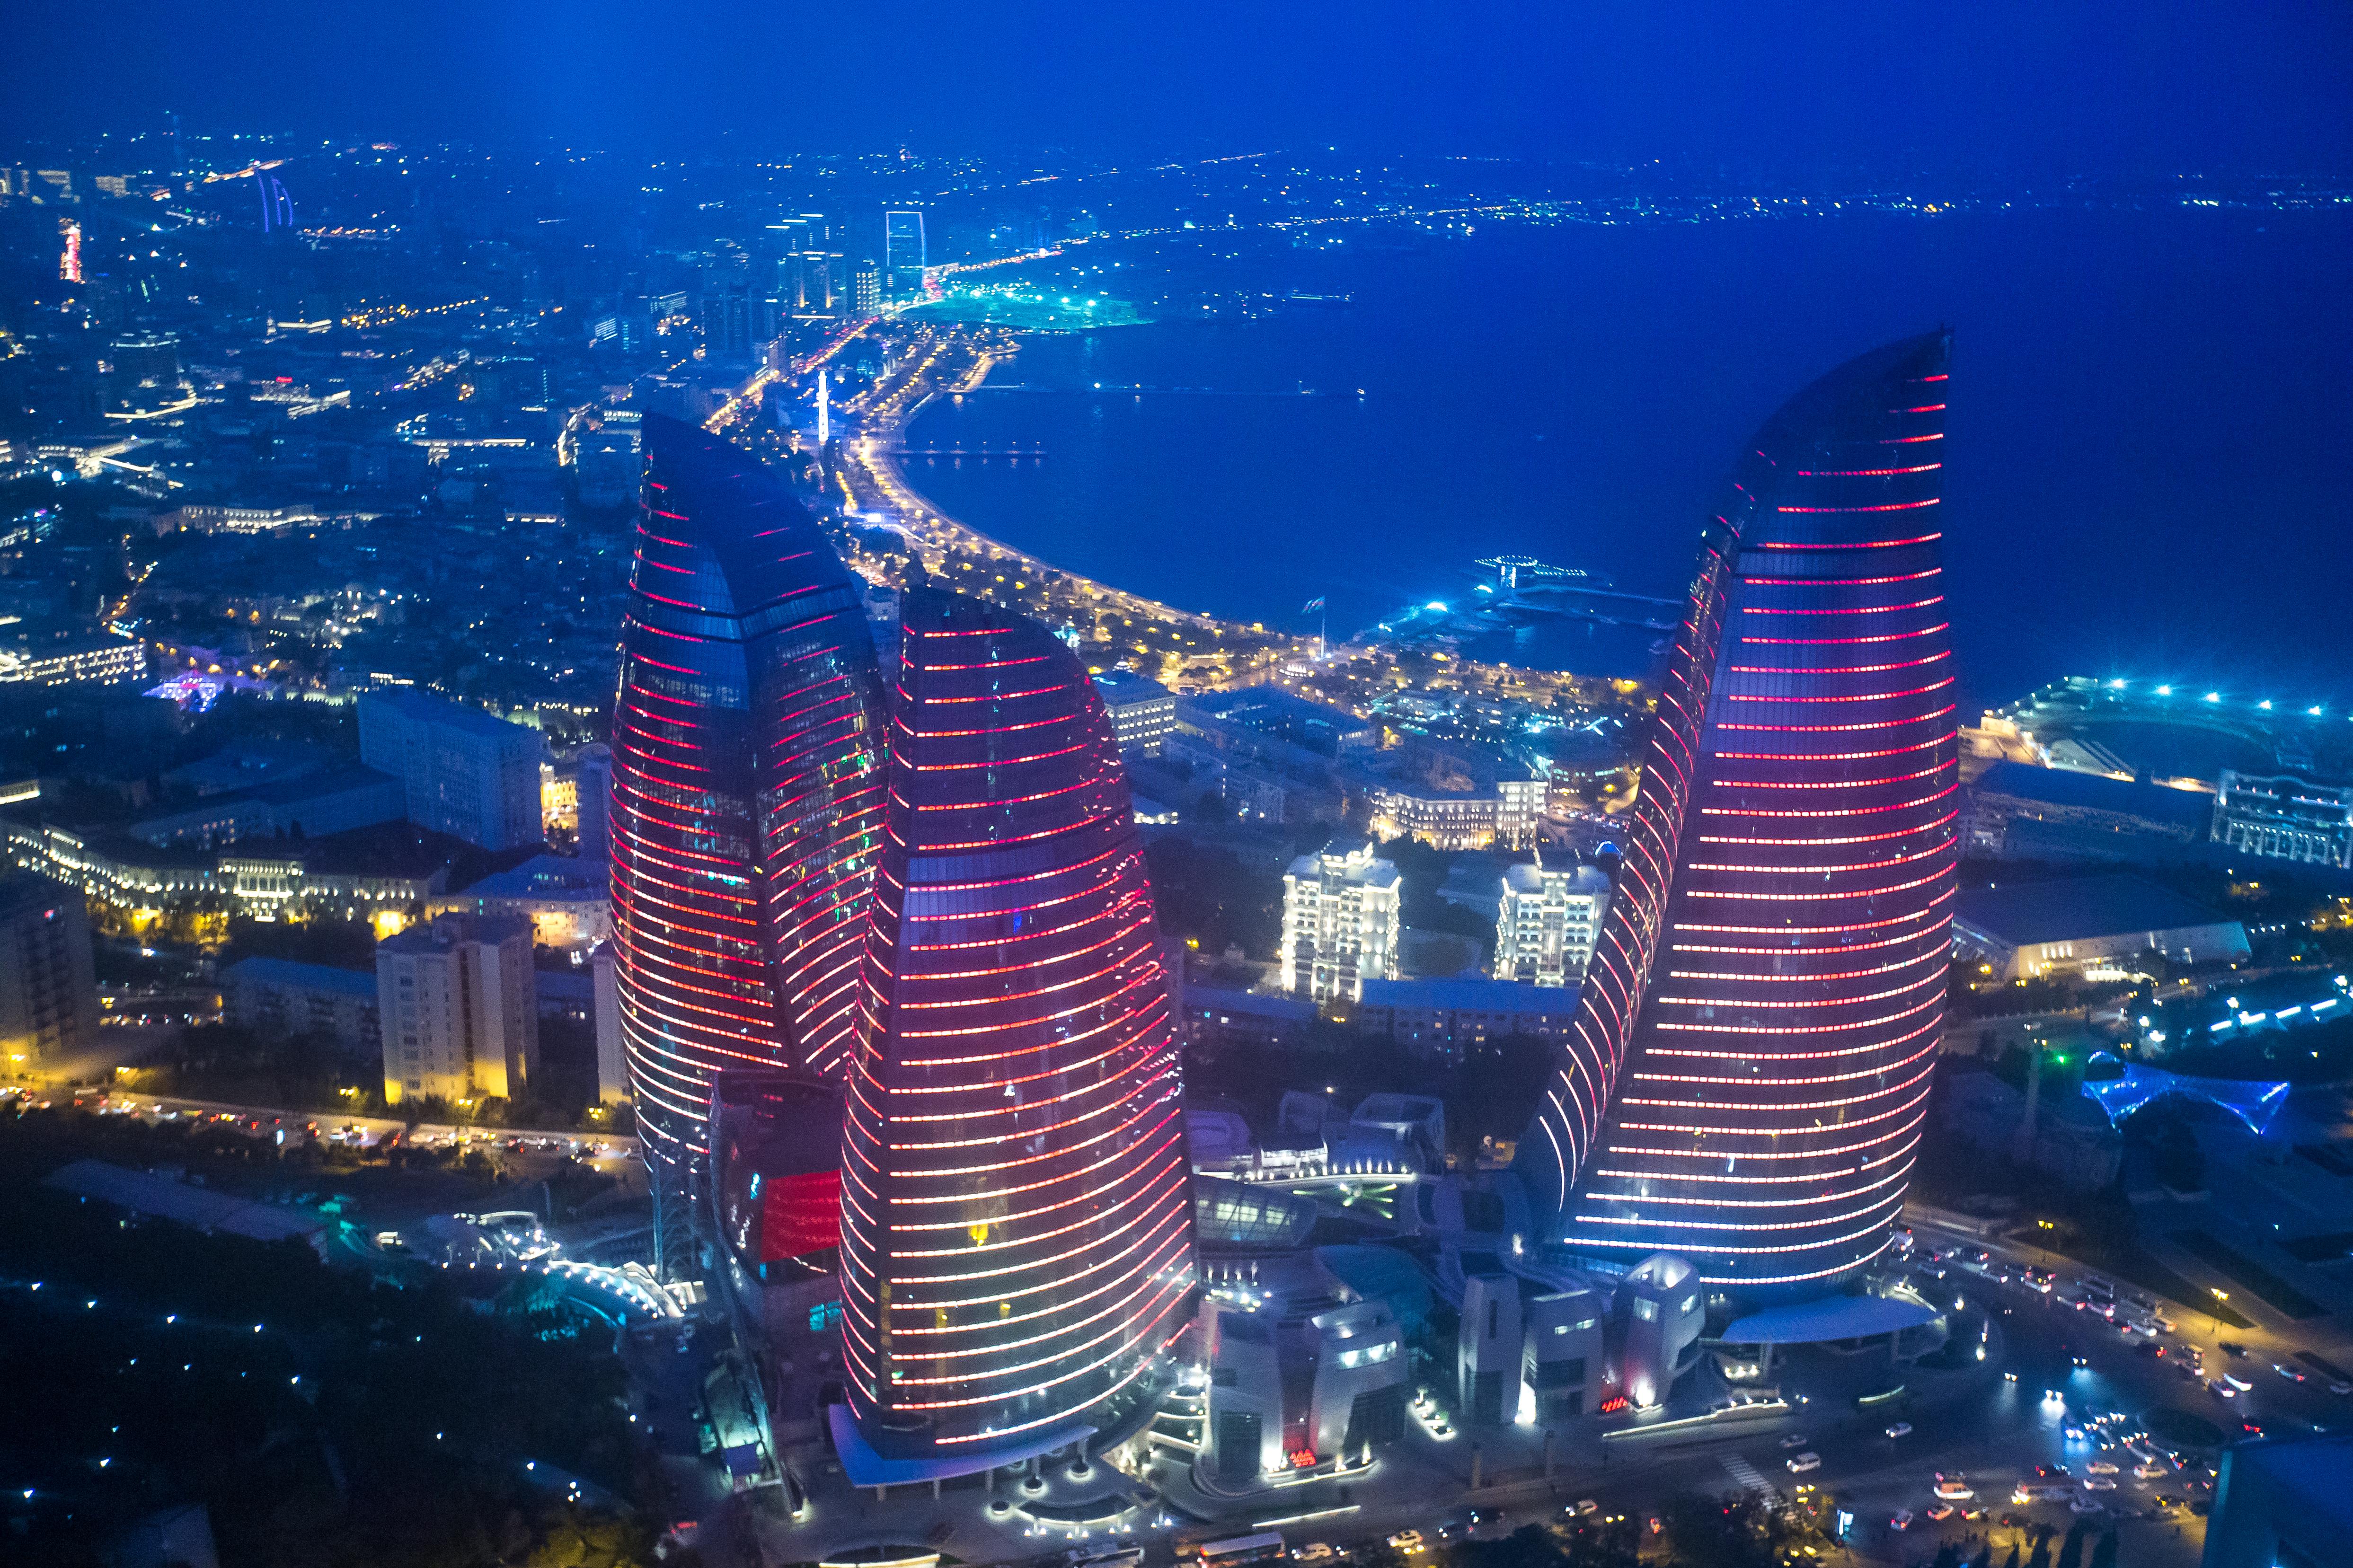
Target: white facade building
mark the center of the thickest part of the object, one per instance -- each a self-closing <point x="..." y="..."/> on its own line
<point x="466" y="773"/>
<point x="460" y="1009"/>
<point x="1550" y="917"/>
<point x="1339" y="922"/>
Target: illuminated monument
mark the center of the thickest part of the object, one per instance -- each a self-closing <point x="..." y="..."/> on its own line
<point x="1744" y="1081"/>
<point x="1017" y="1238"/>
<point x="747" y="794"/>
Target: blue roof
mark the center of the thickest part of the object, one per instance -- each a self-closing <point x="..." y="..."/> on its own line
<point x="2072" y="908"/>
<point x="426" y="707"/>
<point x="1472" y="996"/>
<point x="357" y="984"/>
<point x="2180" y="808"/>
<point x="546" y="876"/>
<point x="1830" y="1317"/>
<point x="1248" y="1003"/>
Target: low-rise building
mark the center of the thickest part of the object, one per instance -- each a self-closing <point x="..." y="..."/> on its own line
<point x="2283" y="817"/>
<point x="1448" y="1017"/>
<point x="565" y="896"/>
<point x="2019" y="812"/>
<point x="1143" y="712"/>
<point x="1443" y="819"/>
<point x="1305" y="1371"/>
<point x="310" y="805"/>
<point x="2026" y="929"/>
<point x="98" y="658"/>
<point x="280" y="997"/>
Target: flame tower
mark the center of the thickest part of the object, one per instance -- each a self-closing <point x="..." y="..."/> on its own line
<point x="1744" y="1081"/>
<point x="747" y="792"/>
<point x="1017" y="1247"/>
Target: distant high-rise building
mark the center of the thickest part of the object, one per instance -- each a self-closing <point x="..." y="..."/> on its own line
<point x="460" y="1003"/>
<point x="865" y="289"/>
<point x="1546" y="927"/>
<point x="462" y="771"/>
<point x="902" y="254"/>
<point x="1339" y="922"/>
<point x="48" y="981"/>
<point x="747" y="790"/>
<point x="593" y="810"/>
<point x="605" y="1011"/>
<point x="1017" y="1236"/>
<point x="1746" y="1079"/>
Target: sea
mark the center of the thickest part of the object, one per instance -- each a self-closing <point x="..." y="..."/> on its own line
<point x="2149" y="437"/>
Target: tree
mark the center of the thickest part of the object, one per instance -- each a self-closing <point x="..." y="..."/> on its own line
<point x="2071" y="1555"/>
<point x="2103" y="1553"/>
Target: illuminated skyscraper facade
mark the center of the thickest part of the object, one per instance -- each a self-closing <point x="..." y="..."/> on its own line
<point x="747" y="788"/>
<point x="1016" y="1228"/>
<point x="1745" y="1082"/>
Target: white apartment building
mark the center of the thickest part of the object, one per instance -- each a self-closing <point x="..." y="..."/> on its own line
<point x="459" y="1004"/>
<point x="2286" y="818"/>
<point x="464" y="773"/>
<point x="1550" y="918"/>
<point x="1339" y="922"/>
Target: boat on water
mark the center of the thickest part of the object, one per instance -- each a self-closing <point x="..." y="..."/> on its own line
<point x="1322" y="302"/>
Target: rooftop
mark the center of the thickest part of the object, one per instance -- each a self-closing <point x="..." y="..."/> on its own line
<point x="356" y="983"/>
<point x="425" y="708"/>
<point x="1831" y="1317"/>
<point x="1472" y="996"/>
<point x="2178" y="808"/>
<point x="2023" y="912"/>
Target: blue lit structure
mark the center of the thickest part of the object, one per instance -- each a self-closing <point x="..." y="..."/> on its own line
<point x="2252" y="1101"/>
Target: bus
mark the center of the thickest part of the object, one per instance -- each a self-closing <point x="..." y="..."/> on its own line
<point x="1241" y="1549"/>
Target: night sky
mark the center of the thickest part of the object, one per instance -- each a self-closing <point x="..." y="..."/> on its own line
<point x="1995" y="90"/>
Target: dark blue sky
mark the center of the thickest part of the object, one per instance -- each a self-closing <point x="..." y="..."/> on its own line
<point x="1997" y="89"/>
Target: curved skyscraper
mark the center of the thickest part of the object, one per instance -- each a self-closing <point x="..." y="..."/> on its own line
<point x="747" y="787"/>
<point x="1017" y="1229"/>
<point x="1744" y="1081"/>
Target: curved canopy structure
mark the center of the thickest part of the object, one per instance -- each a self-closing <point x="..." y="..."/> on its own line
<point x="2253" y="1102"/>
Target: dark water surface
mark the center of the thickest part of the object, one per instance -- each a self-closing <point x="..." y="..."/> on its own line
<point x="2150" y="433"/>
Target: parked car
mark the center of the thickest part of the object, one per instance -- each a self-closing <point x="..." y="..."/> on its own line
<point x="1901" y="1429"/>
<point x="1804" y="1462"/>
<point x="1903" y="1519"/>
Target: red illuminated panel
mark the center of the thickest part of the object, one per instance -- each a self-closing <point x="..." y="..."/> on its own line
<point x="799" y="1215"/>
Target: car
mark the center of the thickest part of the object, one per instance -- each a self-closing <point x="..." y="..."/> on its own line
<point x="2232" y="1348"/>
<point x="2082" y="1360"/>
<point x="1794" y="1440"/>
<point x="1585" y="1508"/>
<point x="2009" y="1377"/>
<point x="2101" y="1468"/>
<point x="1903" y="1519"/>
<point x="2250" y="1429"/>
<point x="1804" y="1462"/>
<point x="2086" y="1505"/>
<point x="1315" y="1552"/>
<point x="2150" y="1472"/>
<point x="2221" y="1389"/>
<point x="1901" y="1429"/>
<point x="2055" y="1472"/>
<point x="1409" y="1540"/>
<point x="2240" y="1384"/>
<point x="2340" y="1388"/>
<point x="1953" y="1488"/>
<point x="2285" y="1370"/>
<point x="2098" y="1484"/>
<point x="1942" y="1512"/>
